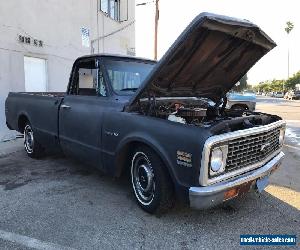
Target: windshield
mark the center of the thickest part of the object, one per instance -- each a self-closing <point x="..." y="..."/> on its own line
<point x="126" y="76"/>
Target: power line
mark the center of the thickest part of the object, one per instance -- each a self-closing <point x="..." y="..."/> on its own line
<point x="114" y="32"/>
<point x="144" y="3"/>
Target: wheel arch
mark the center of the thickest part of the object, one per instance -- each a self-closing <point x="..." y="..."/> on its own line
<point x="240" y="105"/>
<point x="125" y="150"/>
<point x="22" y="120"/>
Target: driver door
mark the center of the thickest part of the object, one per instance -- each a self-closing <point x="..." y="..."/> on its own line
<point x="80" y="114"/>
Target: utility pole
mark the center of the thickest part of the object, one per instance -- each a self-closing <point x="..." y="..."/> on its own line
<point x="155" y="23"/>
<point x="289" y="27"/>
<point x="156" y="28"/>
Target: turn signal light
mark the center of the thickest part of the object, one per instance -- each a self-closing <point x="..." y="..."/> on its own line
<point x="231" y="193"/>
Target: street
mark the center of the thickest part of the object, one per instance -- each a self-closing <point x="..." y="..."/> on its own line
<point x="289" y="111"/>
<point x="58" y="203"/>
<point x="286" y="182"/>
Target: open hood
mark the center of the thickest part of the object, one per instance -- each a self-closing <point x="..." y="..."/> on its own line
<point x="209" y="57"/>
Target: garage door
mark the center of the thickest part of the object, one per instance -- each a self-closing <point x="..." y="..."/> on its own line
<point x="35" y="74"/>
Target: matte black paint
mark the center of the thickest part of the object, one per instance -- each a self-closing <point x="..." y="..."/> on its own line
<point x="98" y="130"/>
<point x="207" y="59"/>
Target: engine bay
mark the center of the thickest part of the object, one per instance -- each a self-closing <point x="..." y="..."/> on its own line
<point x="202" y="112"/>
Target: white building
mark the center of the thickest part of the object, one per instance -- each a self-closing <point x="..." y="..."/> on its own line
<point x="41" y="39"/>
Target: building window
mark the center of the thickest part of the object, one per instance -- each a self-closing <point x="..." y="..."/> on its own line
<point x="111" y="8"/>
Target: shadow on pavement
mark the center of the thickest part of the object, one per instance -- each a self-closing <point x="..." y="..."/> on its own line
<point x="63" y="201"/>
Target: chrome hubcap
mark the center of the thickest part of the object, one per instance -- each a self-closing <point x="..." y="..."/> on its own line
<point x="142" y="177"/>
<point x="28" y="139"/>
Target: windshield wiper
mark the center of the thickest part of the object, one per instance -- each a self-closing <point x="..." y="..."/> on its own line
<point x="129" y="89"/>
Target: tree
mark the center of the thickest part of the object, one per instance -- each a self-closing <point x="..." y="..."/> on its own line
<point x="242" y="84"/>
<point x="289" y="27"/>
<point x="292" y="81"/>
<point x="270" y="85"/>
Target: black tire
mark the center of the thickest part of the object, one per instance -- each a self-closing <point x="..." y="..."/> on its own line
<point x="32" y="147"/>
<point x="151" y="183"/>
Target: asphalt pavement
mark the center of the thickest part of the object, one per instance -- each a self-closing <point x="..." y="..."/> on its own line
<point x="288" y="110"/>
<point x="58" y="203"/>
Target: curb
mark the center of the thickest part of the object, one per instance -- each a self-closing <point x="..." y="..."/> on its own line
<point x="10" y="147"/>
<point x="11" y="138"/>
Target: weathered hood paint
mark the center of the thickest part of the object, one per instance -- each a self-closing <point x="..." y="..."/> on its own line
<point x="207" y="59"/>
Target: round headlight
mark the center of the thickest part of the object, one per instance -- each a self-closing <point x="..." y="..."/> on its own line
<point x="281" y="136"/>
<point x="216" y="160"/>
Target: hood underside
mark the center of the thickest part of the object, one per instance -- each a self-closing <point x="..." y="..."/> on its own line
<point x="207" y="59"/>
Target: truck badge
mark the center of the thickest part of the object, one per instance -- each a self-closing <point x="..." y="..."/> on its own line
<point x="184" y="158"/>
<point x="265" y="146"/>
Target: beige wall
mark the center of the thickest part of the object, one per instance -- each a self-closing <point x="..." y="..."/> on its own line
<point x="57" y="23"/>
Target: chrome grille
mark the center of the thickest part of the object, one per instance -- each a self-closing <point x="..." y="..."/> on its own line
<point x="251" y="149"/>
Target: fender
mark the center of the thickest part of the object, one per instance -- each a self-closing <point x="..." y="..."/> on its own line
<point x="150" y="142"/>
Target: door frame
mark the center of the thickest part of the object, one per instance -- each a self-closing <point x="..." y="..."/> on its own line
<point x="67" y="141"/>
<point x="46" y="67"/>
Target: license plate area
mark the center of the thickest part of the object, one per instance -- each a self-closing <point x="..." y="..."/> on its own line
<point x="238" y="191"/>
<point x="262" y="183"/>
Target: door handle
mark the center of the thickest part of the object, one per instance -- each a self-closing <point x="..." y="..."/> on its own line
<point x="65" y="106"/>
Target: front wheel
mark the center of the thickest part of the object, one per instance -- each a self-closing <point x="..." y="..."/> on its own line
<point x="151" y="182"/>
<point x="31" y="145"/>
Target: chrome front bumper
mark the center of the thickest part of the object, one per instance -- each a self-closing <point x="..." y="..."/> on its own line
<point x="210" y="196"/>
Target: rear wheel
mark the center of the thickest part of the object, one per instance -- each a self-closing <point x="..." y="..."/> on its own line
<point x="151" y="182"/>
<point x="31" y="145"/>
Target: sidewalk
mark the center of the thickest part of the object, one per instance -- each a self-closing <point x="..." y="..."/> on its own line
<point x="10" y="140"/>
<point x="11" y="146"/>
<point x="7" y="135"/>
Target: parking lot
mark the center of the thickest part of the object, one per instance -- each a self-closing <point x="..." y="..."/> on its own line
<point x="57" y="203"/>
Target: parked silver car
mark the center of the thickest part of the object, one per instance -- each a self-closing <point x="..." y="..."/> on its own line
<point x="278" y="94"/>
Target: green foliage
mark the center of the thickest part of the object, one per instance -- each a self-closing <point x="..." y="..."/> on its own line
<point x="242" y="84"/>
<point x="289" y="27"/>
<point x="277" y="85"/>
<point x="292" y="81"/>
<point x="269" y="86"/>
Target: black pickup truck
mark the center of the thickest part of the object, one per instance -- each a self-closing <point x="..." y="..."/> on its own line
<point x="165" y="122"/>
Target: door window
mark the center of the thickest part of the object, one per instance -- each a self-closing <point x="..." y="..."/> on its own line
<point x="88" y="80"/>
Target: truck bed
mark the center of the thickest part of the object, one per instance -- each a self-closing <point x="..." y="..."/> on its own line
<point x="49" y="94"/>
<point x="40" y="108"/>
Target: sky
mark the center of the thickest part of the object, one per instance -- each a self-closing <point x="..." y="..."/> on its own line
<point x="270" y="16"/>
